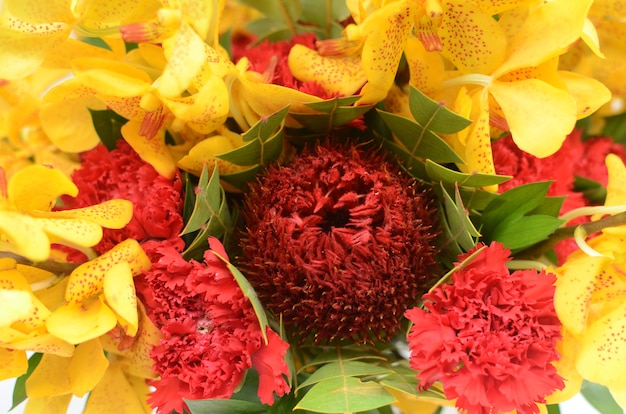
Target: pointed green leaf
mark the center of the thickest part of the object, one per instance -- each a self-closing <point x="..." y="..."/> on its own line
<point x="347" y="354"/>
<point x="344" y="368"/>
<point x="108" y="125"/>
<point x="419" y="141"/>
<point x="600" y="397"/>
<point x="225" y="407"/>
<point x="434" y="115"/>
<point x="330" y="105"/>
<point x="525" y="231"/>
<point x="345" y="395"/>
<point x="334" y="112"/>
<point x="413" y="165"/>
<point x="241" y="178"/>
<point x="438" y="172"/>
<point x="266" y="127"/>
<point x="460" y="227"/>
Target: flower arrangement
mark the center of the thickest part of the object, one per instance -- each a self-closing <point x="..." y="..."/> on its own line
<point x="312" y="206"/>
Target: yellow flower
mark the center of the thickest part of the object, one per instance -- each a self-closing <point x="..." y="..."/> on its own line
<point x="590" y="300"/>
<point x="28" y="227"/>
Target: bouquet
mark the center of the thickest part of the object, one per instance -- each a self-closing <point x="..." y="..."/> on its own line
<point x="312" y="206"/>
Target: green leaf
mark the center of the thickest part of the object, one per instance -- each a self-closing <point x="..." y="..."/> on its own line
<point x="19" y="390"/>
<point x="239" y="179"/>
<point x="525" y="231"/>
<point x="210" y="215"/>
<point x="225" y="407"/>
<point x="345" y="395"/>
<point x="553" y="409"/>
<point x="283" y="11"/>
<point x="347" y="354"/>
<point x="600" y="397"/>
<point x="316" y="12"/>
<point x="334" y="112"/>
<point x="438" y="172"/>
<point x="459" y="228"/>
<point x="343" y="368"/>
<point x="108" y="126"/>
<point x="419" y="141"/>
<point x="591" y="189"/>
<point x="433" y="115"/>
<point x="615" y="126"/>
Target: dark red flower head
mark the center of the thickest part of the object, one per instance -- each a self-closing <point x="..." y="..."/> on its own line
<point x="339" y="242"/>
<point x="489" y="337"/>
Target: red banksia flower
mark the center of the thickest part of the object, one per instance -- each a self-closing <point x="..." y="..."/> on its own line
<point x="489" y="337"/>
<point x="339" y="242"/>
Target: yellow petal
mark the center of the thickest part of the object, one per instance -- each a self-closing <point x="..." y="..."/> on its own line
<point x="142" y="390"/>
<point x="548" y="31"/>
<point x="588" y="93"/>
<point x="80" y="322"/>
<point x="601" y="357"/>
<point x="16" y="305"/>
<point x="426" y="68"/>
<point x="471" y="38"/>
<point x="619" y="395"/>
<point x="37" y="187"/>
<point x="49" y="377"/>
<point x="130" y="82"/>
<point x="616" y="187"/>
<point x="112" y="214"/>
<point x="44" y="343"/>
<point x="57" y="404"/>
<point x="590" y="37"/>
<point x="574" y="287"/>
<point x="342" y="76"/>
<point x="539" y="115"/>
<point x="87" y="279"/>
<point x="568" y="348"/>
<point x="151" y="150"/>
<point x="37" y="39"/>
<point x="31" y="11"/>
<point x="114" y="383"/>
<point x="477" y="154"/>
<point x="119" y="291"/>
<point x="186" y="53"/>
<point x="493" y="7"/>
<point x="14" y="363"/>
<point x="54" y="296"/>
<point x="25" y="236"/>
<point x="98" y="17"/>
<point x="205" y="153"/>
<point x="87" y="367"/>
<point x="66" y="119"/>
<point x="204" y="111"/>
<point x="73" y="231"/>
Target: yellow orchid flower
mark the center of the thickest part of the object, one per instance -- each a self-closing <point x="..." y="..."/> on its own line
<point x="28" y="227"/>
<point x="589" y="300"/>
<point x="26" y="26"/>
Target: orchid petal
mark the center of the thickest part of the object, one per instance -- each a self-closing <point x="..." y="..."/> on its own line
<point x="87" y="367"/>
<point x="44" y="343"/>
<point x="341" y="76"/>
<point x="16" y="305"/>
<point x="574" y="289"/>
<point x="87" y="280"/>
<point x="37" y="39"/>
<point x="590" y="37"/>
<point x="588" y="93"/>
<point x="80" y="322"/>
<point x="49" y="377"/>
<point x="493" y="7"/>
<point x="57" y="404"/>
<point x="99" y="17"/>
<point x="548" y="31"/>
<point x="53" y="296"/>
<point x="616" y="186"/>
<point x="31" y="11"/>
<point x="111" y="77"/>
<point x="426" y="68"/>
<point x="567" y="348"/>
<point x="152" y="150"/>
<point x="539" y="115"/>
<point x="14" y="363"/>
<point x="477" y="153"/>
<point x="619" y="395"/>
<point x="112" y="214"/>
<point x="113" y="383"/>
<point x="603" y="346"/>
<point x="471" y="38"/>
<point x="37" y="188"/>
<point x="186" y="53"/>
<point x="78" y="232"/>
<point x="119" y="291"/>
<point x="206" y="152"/>
<point x="25" y="236"/>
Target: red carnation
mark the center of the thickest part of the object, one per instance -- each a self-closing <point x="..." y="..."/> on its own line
<point x="211" y="333"/>
<point x="489" y="337"/>
<point x="339" y="242"/>
<point x="121" y="173"/>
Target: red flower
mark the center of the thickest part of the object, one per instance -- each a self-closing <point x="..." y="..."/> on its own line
<point x="121" y="173"/>
<point x="489" y="337"/>
<point x="211" y="333"/>
<point x="339" y="242"/>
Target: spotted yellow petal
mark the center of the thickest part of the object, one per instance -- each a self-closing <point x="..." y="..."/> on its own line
<point x="16" y="304"/>
<point x="14" y="363"/>
<point x="87" y="367"/>
<point x="151" y="150"/>
<point x="31" y="11"/>
<point x="78" y="232"/>
<point x="112" y="214"/>
<point x="80" y="322"/>
<point x="603" y="347"/>
<point x="111" y="77"/>
<point x="186" y="53"/>
<point x="99" y="17"/>
<point x="576" y="280"/>
<point x="493" y="7"/>
<point x="49" y="377"/>
<point x="568" y="348"/>
<point x="477" y="153"/>
<point x="119" y="291"/>
<point x="114" y="383"/>
<point x="25" y="236"/>
<point x="548" y="31"/>
<point x="588" y="93"/>
<point x="142" y="390"/>
<point x="539" y="115"/>
<point x="53" y="296"/>
<point x="57" y="404"/>
<point x="471" y="38"/>
<point x="37" y="187"/>
<point x="37" y="39"/>
<point x="87" y="279"/>
<point x="44" y="343"/>
<point x="342" y="76"/>
<point x="426" y="68"/>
